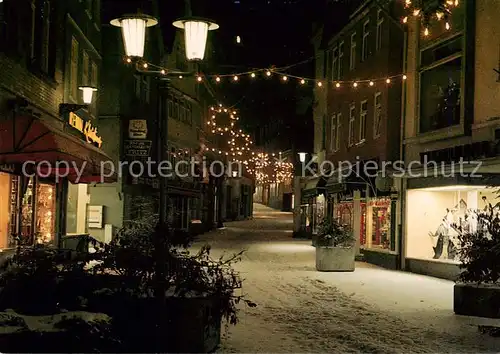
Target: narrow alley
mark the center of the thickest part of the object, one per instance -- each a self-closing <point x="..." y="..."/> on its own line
<point x="371" y="310"/>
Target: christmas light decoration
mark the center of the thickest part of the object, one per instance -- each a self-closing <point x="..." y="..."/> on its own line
<point x="237" y="147"/>
<point x="426" y="10"/>
<point x="268" y="73"/>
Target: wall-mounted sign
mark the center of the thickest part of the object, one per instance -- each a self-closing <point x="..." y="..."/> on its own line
<point x="95" y="216"/>
<point x="8" y="167"/>
<point x="86" y="128"/>
<point x="137" y="129"/>
<point x="137" y="148"/>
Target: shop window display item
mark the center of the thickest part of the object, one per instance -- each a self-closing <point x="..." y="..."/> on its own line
<point x="45" y="213"/>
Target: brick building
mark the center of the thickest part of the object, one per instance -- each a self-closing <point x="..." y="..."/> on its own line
<point x="357" y="120"/>
<point x="48" y="50"/>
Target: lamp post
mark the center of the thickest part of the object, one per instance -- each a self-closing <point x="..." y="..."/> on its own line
<point x="133" y="28"/>
<point x="297" y="193"/>
<point x="302" y="156"/>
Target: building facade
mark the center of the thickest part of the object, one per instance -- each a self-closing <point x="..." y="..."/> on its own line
<point x="357" y="129"/>
<point x="451" y="115"/>
<point x="49" y="147"/>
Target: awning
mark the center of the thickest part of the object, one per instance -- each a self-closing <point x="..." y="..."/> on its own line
<point x="313" y="187"/>
<point x="28" y="138"/>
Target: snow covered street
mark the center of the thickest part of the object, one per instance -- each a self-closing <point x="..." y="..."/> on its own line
<point x="371" y="310"/>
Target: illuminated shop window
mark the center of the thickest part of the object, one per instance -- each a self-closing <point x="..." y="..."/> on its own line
<point x="431" y="212"/>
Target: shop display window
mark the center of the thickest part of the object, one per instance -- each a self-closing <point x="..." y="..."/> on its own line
<point x="27" y="211"/>
<point x="380" y="228"/>
<point x="45" y="212"/>
<point x="431" y="212"/>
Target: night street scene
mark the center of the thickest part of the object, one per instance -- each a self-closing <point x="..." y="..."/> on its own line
<point x="249" y="176"/>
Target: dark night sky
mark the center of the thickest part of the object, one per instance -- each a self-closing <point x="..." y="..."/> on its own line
<point x="273" y="33"/>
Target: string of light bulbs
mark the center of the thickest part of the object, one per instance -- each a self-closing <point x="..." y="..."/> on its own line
<point x="276" y="72"/>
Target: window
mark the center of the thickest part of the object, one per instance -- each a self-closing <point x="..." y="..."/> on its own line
<point x="44" y="55"/>
<point x="362" y="120"/>
<point x="335" y="70"/>
<point x="352" y="119"/>
<point x="73" y="77"/>
<point x="94" y="75"/>
<point x="146" y="88"/>
<point x="380" y="21"/>
<point x="443" y="207"/>
<point x="377" y="116"/>
<point x="341" y="61"/>
<point x="85" y="69"/>
<point x="33" y="29"/>
<point x="440" y="92"/>
<point x="138" y="84"/>
<point x="352" y="58"/>
<point x="333" y="133"/>
<point x="338" y="134"/>
<point x="328" y="66"/>
<point x="366" y="34"/>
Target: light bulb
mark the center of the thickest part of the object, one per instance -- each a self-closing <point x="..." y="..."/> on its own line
<point x="404" y="77"/>
<point x="388" y="81"/>
<point x="217" y="79"/>
<point x="252" y="74"/>
<point x="162" y="72"/>
<point x="355" y="84"/>
<point x="145" y="65"/>
<point x="426" y="32"/>
<point x="405" y="19"/>
<point x="199" y="79"/>
<point x="447" y="25"/>
<point x="302" y="81"/>
<point x="337" y="84"/>
<point x="285" y="78"/>
<point x="235" y="78"/>
<point x="371" y="83"/>
<point x="268" y="73"/>
<point x="416" y="12"/>
<point x="320" y="84"/>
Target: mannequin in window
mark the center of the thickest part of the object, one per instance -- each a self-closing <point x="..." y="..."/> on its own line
<point x="444" y="248"/>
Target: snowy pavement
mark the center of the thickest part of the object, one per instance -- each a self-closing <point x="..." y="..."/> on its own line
<point x="371" y="310"/>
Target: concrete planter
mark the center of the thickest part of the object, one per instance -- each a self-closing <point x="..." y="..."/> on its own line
<point x="335" y="259"/>
<point x="476" y="300"/>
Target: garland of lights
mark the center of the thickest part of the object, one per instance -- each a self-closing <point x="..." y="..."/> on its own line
<point x="239" y="147"/>
<point x="427" y="10"/>
<point x="268" y="73"/>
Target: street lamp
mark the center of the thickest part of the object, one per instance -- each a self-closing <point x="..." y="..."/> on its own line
<point x="88" y="93"/>
<point x="134" y="32"/>
<point x="302" y="156"/>
<point x="195" y="35"/>
<point x="235" y="174"/>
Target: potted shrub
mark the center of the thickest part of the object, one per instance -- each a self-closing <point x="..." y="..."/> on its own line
<point x="477" y="290"/>
<point x="335" y="247"/>
<point x="157" y="295"/>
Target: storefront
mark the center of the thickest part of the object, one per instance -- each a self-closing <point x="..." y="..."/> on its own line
<point x="433" y="207"/>
<point x="370" y="213"/>
<point x="44" y="171"/>
<point x="313" y="205"/>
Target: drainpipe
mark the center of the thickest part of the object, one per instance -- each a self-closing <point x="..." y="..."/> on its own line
<point x="402" y="153"/>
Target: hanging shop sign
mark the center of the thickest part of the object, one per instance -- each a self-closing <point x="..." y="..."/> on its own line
<point x="137" y="129"/>
<point x="86" y="128"/>
<point x="137" y="148"/>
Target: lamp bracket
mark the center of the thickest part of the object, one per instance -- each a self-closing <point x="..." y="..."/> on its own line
<point x="68" y="107"/>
